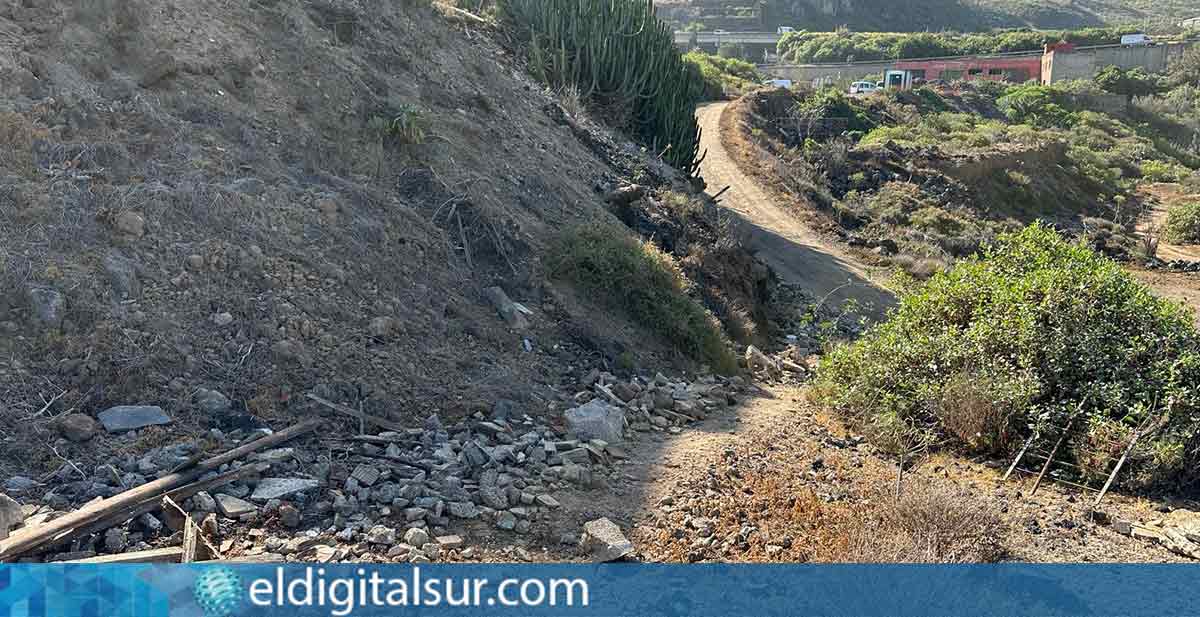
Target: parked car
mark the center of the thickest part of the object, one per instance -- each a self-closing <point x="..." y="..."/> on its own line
<point x="778" y="83"/>
<point x="1131" y="40"/>
<point x="863" y="87"/>
<point x="785" y="29"/>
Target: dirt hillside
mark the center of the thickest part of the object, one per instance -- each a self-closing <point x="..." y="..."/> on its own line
<point x="208" y="195"/>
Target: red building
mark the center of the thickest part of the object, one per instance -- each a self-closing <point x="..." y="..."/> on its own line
<point x="1015" y="69"/>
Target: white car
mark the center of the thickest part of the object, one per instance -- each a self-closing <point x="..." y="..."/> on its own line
<point x="863" y="87"/>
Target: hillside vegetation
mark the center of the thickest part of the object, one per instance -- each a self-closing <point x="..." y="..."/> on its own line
<point x="928" y="176"/>
<point x="841" y="46"/>
<point x="927" y="15"/>
<point x="1034" y="332"/>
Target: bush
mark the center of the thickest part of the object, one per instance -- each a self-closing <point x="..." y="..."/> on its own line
<point x="1040" y="327"/>
<point x="1040" y="106"/>
<point x="637" y="278"/>
<point x="1183" y="223"/>
<point x="1160" y="171"/>
<point x="723" y="76"/>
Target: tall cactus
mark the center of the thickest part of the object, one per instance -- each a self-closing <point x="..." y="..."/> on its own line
<point x="617" y="52"/>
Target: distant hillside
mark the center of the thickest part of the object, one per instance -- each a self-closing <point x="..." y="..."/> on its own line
<point x="922" y="15"/>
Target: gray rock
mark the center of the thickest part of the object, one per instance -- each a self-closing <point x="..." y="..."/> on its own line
<point x="416" y="537"/>
<point x="204" y="502"/>
<point x="463" y="509"/>
<point x="122" y="275"/>
<point x="504" y="409"/>
<point x="232" y="507"/>
<point x="605" y="540"/>
<point x="290" y="516"/>
<point x="212" y="402"/>
<point x="380" y="534"/>
<point x="20" y="484"/>
<point x="450" y="541"/>
<point x="278" y="488"/>
<point x="150" y="523"/>
<point x="132" y="417"/>
<point x="158" y="67"/>
<point x="509" y="311"/>
<point x="596" y="420"/>
<point x="115" y="540"/>
<point x="77" y="427"/>
<point x="49" y="306"/>
<point x="547" y="501"/>
<point x="475" y="456"/>
<point x="11" y="514"/>
<point x="506" y="521"/>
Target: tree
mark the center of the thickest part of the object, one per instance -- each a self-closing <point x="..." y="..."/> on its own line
<point x="1130" y="83"/>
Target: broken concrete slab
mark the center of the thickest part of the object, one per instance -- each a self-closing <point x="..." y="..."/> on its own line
<point x="278" y="488"/>
<point x="605" y="540"/>
<point x="132" y="417"/>
<point x="232" y="507"/>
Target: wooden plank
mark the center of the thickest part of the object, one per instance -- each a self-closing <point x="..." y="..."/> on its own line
<point x="158" y="555"/>
<point x="354" y="413"/>
<point x="1020" y="455"/>
<point x="63" y="528"/>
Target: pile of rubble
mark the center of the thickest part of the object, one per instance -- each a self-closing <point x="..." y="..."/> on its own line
<point x="1178" y="531"/>
<point x="400" y="494"/>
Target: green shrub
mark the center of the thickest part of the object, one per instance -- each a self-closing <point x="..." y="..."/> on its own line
<point x="723" y="76"/>
<point x="1039" y="328"/>
<point x="833" y="103"/>
<point x="1160" y="171"/>
<point x="1039" y="106"/>
<point x="620" y="54"/>
<point x="1183" y="223"/>
<point x="637" y="278"/>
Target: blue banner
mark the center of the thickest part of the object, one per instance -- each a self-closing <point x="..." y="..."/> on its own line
<point x="719" y="590"/>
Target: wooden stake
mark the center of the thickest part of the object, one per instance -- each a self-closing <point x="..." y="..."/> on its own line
<point x="1121" y="462"/>
<point x="1020" y="455"/>
<point x="1053" y="453"/>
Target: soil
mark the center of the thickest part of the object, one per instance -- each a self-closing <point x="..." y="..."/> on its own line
<point x="796" y="253"/>
<point x="218" y="203"/>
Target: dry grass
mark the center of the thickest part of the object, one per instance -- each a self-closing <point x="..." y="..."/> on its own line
<point x="16" y="143"/>
<point x="968" y="410"/>
<point x="930" y="523"/>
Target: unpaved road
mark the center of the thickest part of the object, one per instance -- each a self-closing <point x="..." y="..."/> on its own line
<point x="798" y="254"/>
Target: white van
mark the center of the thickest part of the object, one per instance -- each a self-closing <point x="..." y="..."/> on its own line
<point x="1131" y="40"/>
<point x="778" y="83"/>
<point x="785" y="29"/>
<point x="863" y="87"/>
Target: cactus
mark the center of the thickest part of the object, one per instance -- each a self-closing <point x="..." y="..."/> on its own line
<point x="615" y="52"/>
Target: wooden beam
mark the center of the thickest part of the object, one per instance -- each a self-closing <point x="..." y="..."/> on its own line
<point x="158" y="555"/>
<point x="64" y="527"/>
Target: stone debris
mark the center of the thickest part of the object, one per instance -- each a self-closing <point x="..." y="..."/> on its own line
<point x="1178" y="532"/>
<point x="278" y="488"/>
<point x="605" y="540"/>
<point x="514" y="314"/>
<point x="232" y="507"/>
<point x="78" y="427"/>
<point x="132" y="417"/>
<point x="596" y="420"/>
<point x="11" y="515"/>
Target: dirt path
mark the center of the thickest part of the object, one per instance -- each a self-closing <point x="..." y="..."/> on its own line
<point x="1179" y="286"/>
<point x="797" y="254"/>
